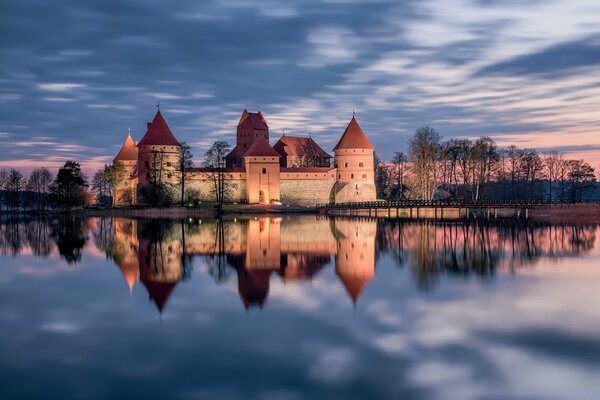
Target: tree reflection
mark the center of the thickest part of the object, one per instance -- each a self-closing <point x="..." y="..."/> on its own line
<point x="69" y="234"/>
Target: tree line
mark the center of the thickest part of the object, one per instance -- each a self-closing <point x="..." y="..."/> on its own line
<point x="479" y="170"/>
<point x="42" y="190"/>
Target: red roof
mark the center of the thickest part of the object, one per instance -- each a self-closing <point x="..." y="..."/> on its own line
<point x="257" y="120"/>
<point x="299" y="146"/>
<point x="128" y="151"/>
<point x="253" y="286"/>
<point x="353" y="138"/>
<point x="354" y="284"/>
<point x="159" y="292"/>
<point x="261" y="148"/>
<point x="306" y="169"/>
<point x="158" y="133"/>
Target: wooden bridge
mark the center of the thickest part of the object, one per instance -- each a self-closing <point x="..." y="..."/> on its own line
<point x="442" y="209"/>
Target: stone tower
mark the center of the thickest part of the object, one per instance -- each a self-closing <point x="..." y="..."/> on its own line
<point x="250" y="127"/>
<point x="355" y="258"/>
<point x="158" y="154"/>
<point x="354" y="160"/>
<point x="261" y="162"/>
<point x="128" y="156"/>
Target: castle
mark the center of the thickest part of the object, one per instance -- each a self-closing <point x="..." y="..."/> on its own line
<point x="296" y="170"/>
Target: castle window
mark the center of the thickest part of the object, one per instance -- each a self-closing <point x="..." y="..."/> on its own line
<point x="364" y="176"/>
<point x="351" y="176"/>
<point x="168" y="164"/>
<point x="264" y="170"/>
<point x="335" y="165"/>
<point x="340" y="176"/>
<point x="361" y="164"/>
<point x="346" y="164"/>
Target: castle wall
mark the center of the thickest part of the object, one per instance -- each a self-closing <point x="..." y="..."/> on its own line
<point x="307" y="188"/>
<point x="203" y="183"/>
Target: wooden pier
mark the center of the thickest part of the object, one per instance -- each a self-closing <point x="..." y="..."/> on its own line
<point x="443" y="210"/>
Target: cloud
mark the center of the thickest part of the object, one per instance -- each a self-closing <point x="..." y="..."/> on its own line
<point x="60" y="87"/>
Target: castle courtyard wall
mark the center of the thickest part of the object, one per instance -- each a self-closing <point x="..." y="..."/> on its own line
<point x="306" y="188"/>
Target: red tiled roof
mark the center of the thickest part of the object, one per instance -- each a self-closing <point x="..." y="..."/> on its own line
<point x="128" y="151"/>
<point x="306" y="169"/>
<point x="211" y="169"/>
<point x="354" y="284"/>
<point x="253" y="286"/>
<point x="235" y="153"/>
<point x="158" y="133"/>
<point x="353" y="138"/>
<point x="159" y="292"/>
<point x="299" y="146"/>
<point x="257" y="120"/>
<point x="261" y="148"/>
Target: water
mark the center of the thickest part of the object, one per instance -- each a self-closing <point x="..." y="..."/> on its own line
<point x="298" y="308"/>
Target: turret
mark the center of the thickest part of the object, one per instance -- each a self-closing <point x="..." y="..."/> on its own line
<point x="158" y="154"/>
<point x="128" y="157"/>
<point x="354" y="160"/>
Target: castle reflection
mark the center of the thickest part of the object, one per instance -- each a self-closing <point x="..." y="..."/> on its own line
<point x="159" y="254"/>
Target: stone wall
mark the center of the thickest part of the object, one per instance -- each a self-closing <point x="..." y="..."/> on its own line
<point x="306" y="192"/>
<point x="354" y="192"/>
<point x="204" y="184"/>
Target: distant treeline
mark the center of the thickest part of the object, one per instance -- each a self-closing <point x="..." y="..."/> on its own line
<point x="462" y="169"/>
<point x="41" y="190"/>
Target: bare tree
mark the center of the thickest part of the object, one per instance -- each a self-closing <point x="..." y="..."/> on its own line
<point x="552" y="160"/>
<point x="14" y="188"/>
<point x="185" y="163"/>
<point x="39" y="184"/>
<point x="400" y="161"/>
<point x="3" y="181"/>
<point x="424" y="150"/>
<point x="214" y="162"/>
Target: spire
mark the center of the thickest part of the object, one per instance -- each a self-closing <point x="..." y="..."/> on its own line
<point x="128" y="151"/>
<point x="158" y="133"/>
<point x="353" y="137"/>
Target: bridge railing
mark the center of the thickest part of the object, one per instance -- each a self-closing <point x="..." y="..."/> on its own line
<point x="448" y="203"/>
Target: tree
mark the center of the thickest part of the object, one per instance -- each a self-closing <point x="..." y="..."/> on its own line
<point x="582" y="178"/>
<point x="69" y="185"/>
<point x="14" y="188"/>
<point x="3" y="181"/>
<point x="552" y="161"/>
<point x="214" y="162"/>
<point x="424" y="150"/>
<point x="39" y="184"/>
<point x="158" y="191"/>
<point x="484" y="156"/>
<point x="185" y="163"/>
<point x="101" y="186"/>
<point x="399" y="161"/>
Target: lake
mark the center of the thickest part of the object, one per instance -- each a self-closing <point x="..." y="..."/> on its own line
<point x="298" y="308"/>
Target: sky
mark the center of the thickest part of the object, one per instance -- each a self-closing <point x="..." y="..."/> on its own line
<point x="76" y="75"/>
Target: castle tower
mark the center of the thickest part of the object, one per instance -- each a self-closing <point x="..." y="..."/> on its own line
<point x="128" y="156"/>
<point x="250" y="127"/>
<point x="355" y="258"/>
<point x="262" y="172"/>
<point x="158" y="154"/>
<point x="354" y="160"/>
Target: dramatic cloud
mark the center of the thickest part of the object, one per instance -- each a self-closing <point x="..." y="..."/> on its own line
<point x="82" y="73"/>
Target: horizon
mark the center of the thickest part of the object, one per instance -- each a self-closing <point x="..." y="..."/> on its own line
<point x="522" y="74"/>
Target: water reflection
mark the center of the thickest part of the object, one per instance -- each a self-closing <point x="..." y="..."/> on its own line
<point x="159" y="254"/>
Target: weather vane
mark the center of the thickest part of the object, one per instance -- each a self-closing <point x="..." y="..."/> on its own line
<point x="353" y="113"/>
<point x="158" y="105"/>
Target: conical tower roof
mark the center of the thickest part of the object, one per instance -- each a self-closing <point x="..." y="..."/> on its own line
<point x="158" y="133"/>
<point x="353" y="138"/>
<point x="354" y="283"/>
<point x="128" y="151"/>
